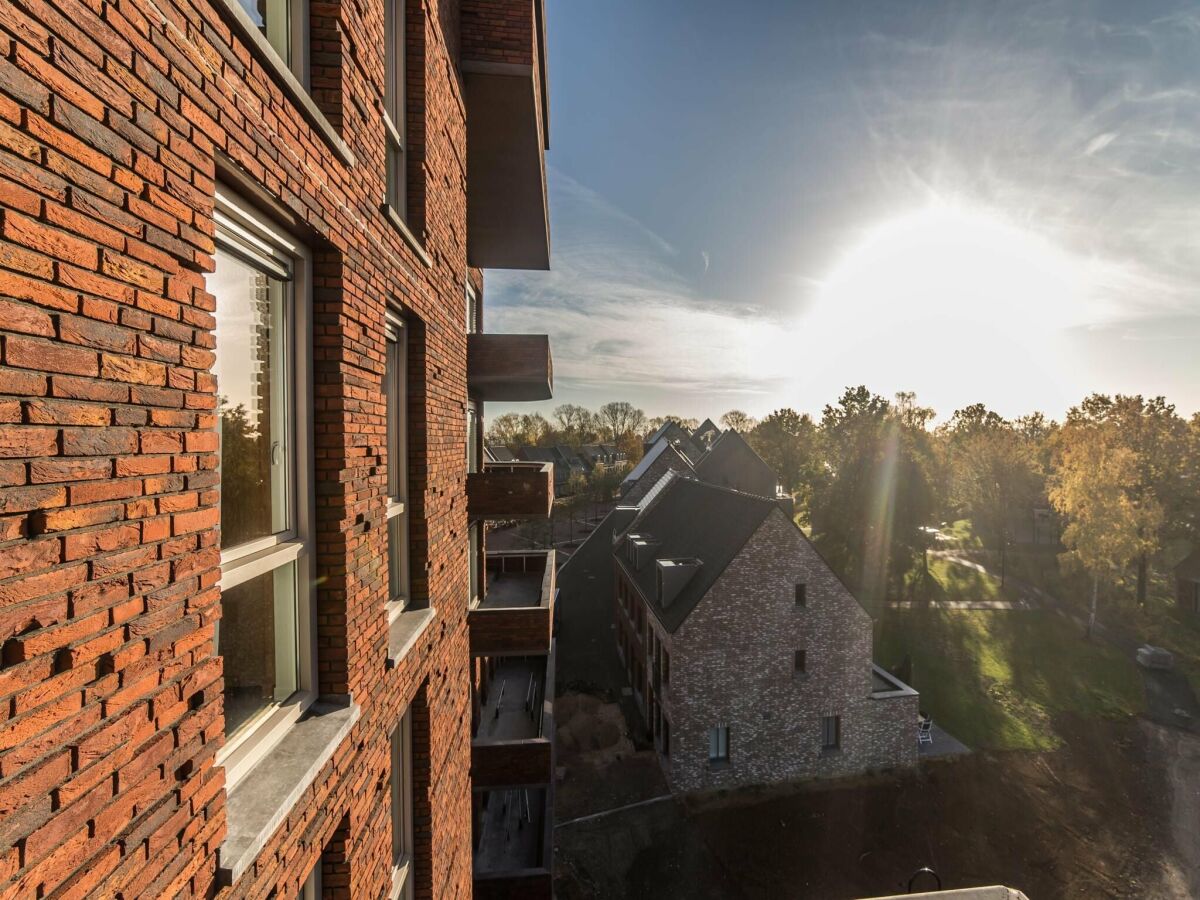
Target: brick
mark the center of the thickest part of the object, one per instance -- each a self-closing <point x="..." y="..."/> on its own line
<point x="25" y="319"/>
<point x="26" y="353"/>
<point x="25" y="499"/>
<point x="124" y="368"/>
<point x="54" y="412"/>
<point x="98" y="441"/>
<point x="42" y="471"/>
<point x="47" y="521"/>
<point x="16" y="442"/>
<point x="88" y="333"/>
<point x="50" y="241"/>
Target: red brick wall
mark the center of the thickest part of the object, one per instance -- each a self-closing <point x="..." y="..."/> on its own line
<point x="115" y="118"/>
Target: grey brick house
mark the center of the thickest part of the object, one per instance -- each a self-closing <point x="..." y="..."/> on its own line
<point x="748" y="658"/>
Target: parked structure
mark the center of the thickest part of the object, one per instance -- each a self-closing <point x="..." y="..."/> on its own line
<point x="748" y="658"/>
<point x="244" y="605"/>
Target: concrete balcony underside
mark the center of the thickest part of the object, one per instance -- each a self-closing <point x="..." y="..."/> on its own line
<point x="514" y="368"/>
<point x="513" y="743"/>
<point x="511" y="490"/>
<point x="516" y="615"/>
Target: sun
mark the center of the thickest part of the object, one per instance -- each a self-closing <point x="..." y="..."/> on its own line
<point x="950" y="291"/>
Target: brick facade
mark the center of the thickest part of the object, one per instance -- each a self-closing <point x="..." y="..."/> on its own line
<point x="731" y="663"/>
<point x="118" y="121"/>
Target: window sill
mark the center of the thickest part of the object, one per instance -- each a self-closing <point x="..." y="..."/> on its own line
<point x="830" y="751"/>
<point x="718" y="764"/>
<point x="405" y="630"/>
<point x="409" y="238"/>
<point x="261" y="800"/>
<point x="400" y="875"/>
<point x="284" y="76"/>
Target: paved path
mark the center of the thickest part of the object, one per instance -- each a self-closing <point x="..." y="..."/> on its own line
<point x="944" y="744"/>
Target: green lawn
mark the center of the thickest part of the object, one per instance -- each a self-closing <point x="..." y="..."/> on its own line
<point x="994" y="679"/>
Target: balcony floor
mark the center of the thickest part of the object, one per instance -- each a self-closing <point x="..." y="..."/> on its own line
<point x="511" y="590"/>
<point x="515" y="722"/>
<point x="511" y="833"/>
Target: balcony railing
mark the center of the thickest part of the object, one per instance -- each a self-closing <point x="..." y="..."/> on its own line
<point x="516" y="615"/>
<point x="503" y="58"/>
<point x="513" y="744"/>
<point x="514" y="852"/>
<point x="509" y="367"/>
<point x="511" y="490"/>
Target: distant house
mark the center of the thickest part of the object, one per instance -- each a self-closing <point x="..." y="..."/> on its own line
<point x="731" y="462"/>
<point x="499" y="453"/>
<point x="660" y="459"/>
<point x="676" y="434"/>
<point x="749" y="660"/>
<point x="706" y="433"/>
<point x="1187" y="583"/>
<point x="601" y="456"/>
<point x="566" y="464"/>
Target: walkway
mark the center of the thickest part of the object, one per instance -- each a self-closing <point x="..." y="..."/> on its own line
<point x="944" y="744"/>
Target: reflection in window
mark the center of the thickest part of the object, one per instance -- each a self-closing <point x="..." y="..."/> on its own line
<point x="257" y="637"/>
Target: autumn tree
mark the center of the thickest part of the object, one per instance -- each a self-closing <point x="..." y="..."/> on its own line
<point x="518" y="429"/>
<point x="620" y="418"/>
<point x="1096" y="487"/>
<point x="575" y="425"/>
<point x="787" y="442"/>
<point x="736" y="420"/>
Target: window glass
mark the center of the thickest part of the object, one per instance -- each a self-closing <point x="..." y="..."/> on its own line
<point x="395" y="90"/>
<point x="252" y="373"/>
<point x="395" y="388"/>
<point x="402" y="824"/>
<point x="257" y="637"/>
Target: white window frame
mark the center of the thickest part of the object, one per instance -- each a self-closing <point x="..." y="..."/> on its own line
<point x="243" y="233"/>
<point x="402" y="809"/>
<point x="475" y="579"/>
<point x="718" y="736"/>
<point x="395" y="105"/>
<point x="396" y="333"/>
<point x="472" y="310"/>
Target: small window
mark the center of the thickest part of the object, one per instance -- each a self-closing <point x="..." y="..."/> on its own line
<point x="718" y="744"/>
<point x="799" y="663"/>
<point x="801" y="594"/>
<point x="311" y="889"/>
<point x="831" y="733"/>
<point x="395" y="105"/>
<point x="402" y="811"/>
<point x="395" y="389"/>
<point x="284" y="23"/>
<point x="472" y="310"/>
<point x="476" y="563"/>
<point x="473" y="444"/>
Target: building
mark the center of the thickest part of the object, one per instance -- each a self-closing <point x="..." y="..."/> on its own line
<point x="1187" y="583"/>
<point x="706" y="432"/>
<point x="676" y="434"/>
<point x="731" y="462"/>
<point x="748" y="659"/>
<point x="601" y="456"/>
<point x="249" y="630"/>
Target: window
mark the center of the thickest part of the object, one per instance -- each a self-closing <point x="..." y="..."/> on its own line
<point x="261" y="367"/>
<point x="831" y="733"/>
<point x="284" y="23"/>
<point x="476" y="564"/>
<point x="718" y="744"/>
<point x="801" y="594"/>
<point x="402" y="811"/>
<point x="311" y="889"/>
<point x="472" y="437"/>
<point x="799" y="663"/>
<point x="395" y="388"/>
<point x="666" y="666"/>
<point x="666" y="736"/>
<point x="395" y="106"/>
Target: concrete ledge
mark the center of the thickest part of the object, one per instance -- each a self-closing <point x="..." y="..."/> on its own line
<point x="405" y="630"/>
<point x="261" y="800"/>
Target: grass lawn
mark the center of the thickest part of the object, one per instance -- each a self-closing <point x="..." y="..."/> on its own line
<point x="994" y="679"/>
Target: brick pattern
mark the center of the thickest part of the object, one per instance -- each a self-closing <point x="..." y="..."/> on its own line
<point x="731" y="663"/>
<point x="117" y="119"/>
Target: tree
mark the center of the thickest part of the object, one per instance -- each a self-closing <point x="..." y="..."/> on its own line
<point x="620" y="418"/>
<point x="518" y="429"/>
<point x="1095" y="487"/>
<point x="787" y="442"/>
<point x="738" y="421"/>
<point x="1158" y="439"/>
<point x="576" y="425"/>
<point x="993" y="474"/>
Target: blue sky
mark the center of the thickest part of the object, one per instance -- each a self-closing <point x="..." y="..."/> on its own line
<point x="754" y="205"/>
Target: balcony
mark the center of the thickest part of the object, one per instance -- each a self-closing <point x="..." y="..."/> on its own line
<point x="511" y="490"/>
<point x="514" y="846"/>
<point x="503" y="55"/>
<point x="509" y="367"/>
<point x="513" y="744"/>
<point x="515" y="616"/>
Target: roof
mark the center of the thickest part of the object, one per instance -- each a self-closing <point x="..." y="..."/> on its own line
<point x="731" y="462"/>
<point x="704" y="428"/>
<point x="675" y="433"/>
<point x="537" y="454"/>
<point x="500" y="454"/>
<point x="690" y="519"/>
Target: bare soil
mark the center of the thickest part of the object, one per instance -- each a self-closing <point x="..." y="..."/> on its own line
<point x="1111" y="813"/>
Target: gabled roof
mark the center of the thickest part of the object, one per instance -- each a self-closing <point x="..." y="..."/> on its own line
<point x="676" y="434"/>
<point x="537" y="454"/>
<point x="731" y="462"/>
<point x="663" y="446"/>
<point x="499" y="453"/>
<point x="704" y="428"/>
<point x="690" y="519"/>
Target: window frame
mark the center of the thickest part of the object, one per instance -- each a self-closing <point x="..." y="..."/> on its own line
<point x="248" y="235"/>
<point x="837" y="734"/>
<point x="472" y="300"/>
<point x="401" y="805"/>
<point x="395" y="107"/>
<point x="800" y="662"/>
<point x="396" y="338"/>
<point x="312" y="887"/>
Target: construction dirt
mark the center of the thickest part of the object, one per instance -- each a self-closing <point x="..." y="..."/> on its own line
<point x="1114" y="812"/>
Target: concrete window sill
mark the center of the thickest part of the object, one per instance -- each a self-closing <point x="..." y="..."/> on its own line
<point x="405" y="630"/>
<point x="400" y="225"/>
<point x="261" y="800"/>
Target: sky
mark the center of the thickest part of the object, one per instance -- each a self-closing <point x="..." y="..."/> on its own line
<point x="756" y="205"/>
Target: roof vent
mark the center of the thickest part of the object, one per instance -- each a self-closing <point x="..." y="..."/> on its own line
<point x="673" y="576"/>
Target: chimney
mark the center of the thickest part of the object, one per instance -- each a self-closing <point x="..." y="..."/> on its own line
<point x="673" y="576"/>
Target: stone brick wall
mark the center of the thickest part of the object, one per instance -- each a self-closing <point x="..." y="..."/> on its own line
<point x="732" y="664"/>
<point x="117" y="120"/>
